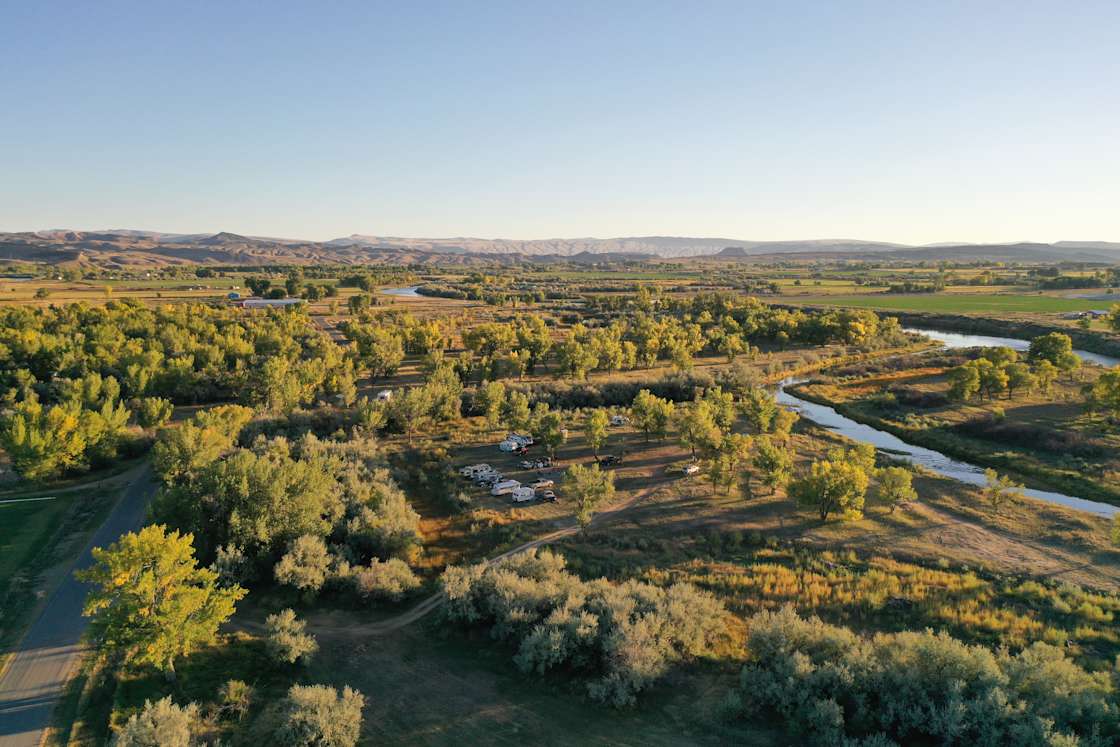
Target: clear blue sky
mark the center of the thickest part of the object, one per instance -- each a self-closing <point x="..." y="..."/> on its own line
<point x="907" y="121"/>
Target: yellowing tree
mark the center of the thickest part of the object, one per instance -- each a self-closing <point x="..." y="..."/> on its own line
<point x="151" y="603"/>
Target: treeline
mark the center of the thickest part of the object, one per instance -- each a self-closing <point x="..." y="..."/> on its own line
<point x="832" y="686"/>
<point x="622" y="637"/>
<point x="74" y="377"/>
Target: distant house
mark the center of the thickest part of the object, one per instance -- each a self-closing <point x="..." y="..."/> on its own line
<point x="267" y="303"/>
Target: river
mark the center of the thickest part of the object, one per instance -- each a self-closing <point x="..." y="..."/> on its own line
<point x="935" y="461"/>
<point x="410" y="291"/>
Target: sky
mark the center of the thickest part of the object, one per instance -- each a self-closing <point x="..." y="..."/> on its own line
<point x="915" y="122"/>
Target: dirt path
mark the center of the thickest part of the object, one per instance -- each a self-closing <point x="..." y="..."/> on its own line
<point x="431" y="603"/>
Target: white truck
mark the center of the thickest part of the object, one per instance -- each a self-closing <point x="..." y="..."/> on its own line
<point x="505" y="487"/>
<point x="520" y="495"/>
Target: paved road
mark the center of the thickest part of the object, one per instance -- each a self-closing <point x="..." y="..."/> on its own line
<point x="36" y="676"/>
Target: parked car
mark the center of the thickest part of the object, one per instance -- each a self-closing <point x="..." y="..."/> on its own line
<point x="548" y="495"/>
<point x="620" y="420"/>
<point x="526" y="464"/>
<point x="691" y="469"/>
<point x="609" y="459"/>
<point x="542" y="483"/>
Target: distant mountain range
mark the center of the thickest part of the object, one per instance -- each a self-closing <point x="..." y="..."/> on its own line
<point x="120" y="248"/>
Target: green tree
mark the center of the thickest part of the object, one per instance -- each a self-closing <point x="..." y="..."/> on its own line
<point x="1019" y="377"/>
<point x="490" y="400"/>
<point x="151" y="603"/>
<point x="652" y="414"/>
<point x="596" y="429"/>
<point x="1000" y="489"/>
<point x="588" y="487"/>
<point x="548" y="428"/>
<point x="696" y="427"/>
<point x="725" y="466"/>
<point x="1104" y="393"/>
<point x="152" y="412"/>
<point x="517" y="413"/>
<point x="1045" y="374"/>
<point x="409" y="410"/>
<point x="894" y="485"/>
<point x="964" y="382"/>
<point x="445" y="391"/>
<point x="773" y="462"/>
<point x="832" y="486"/>
<point x="759" y="408"/>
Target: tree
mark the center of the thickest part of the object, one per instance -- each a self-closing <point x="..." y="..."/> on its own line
<point x="489" y="400"/>
<point x="1000" y="489"/>
<point x="445" y="391"/>
<point x="548" y="428"/>
<point x="722" y="406"/>
<point x="151" y="603"/>
<point x="1053" y="347"/>
<point x="182" y="452"/>
<point x="1116" y="530"/>
<point x="895" y="486"/>
<point x="964" y="382"/>
<point x="596" y="429"/>
<point x="152" y="412"/>
<point x="773" y="462"/>
<point x="306" y="565"/>
<point x="725" y="466"/>
<point x="288" y="641"/>
<point x="1045" y="374"/>
<point x="380" y="349"/>
<point x="318" y="715"/>
<point x="1019" y="376"/>
<point x="589" y="487"/>
<point x="759" y="408"/>
<point x="696" y="427"/>
<point x="409" y="410"/>
<point x="159" y="724"/>
<point x="518" y="415"/>
<point x="832" y="486"/>
<point x="1104" y="393"/>
<point x="652" y="414"/>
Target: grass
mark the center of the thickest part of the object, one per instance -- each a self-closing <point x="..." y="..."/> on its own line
<point x="956" y="302"/>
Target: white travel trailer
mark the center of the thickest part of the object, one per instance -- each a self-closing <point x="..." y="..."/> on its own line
<point x="505" y="487"/>
<point x="520" y="495"/>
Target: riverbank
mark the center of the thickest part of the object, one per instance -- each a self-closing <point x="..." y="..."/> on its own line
<point x="1103" y="343"/>
<point x="1037" y="474"/>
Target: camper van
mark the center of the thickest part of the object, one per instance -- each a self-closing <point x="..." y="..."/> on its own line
<point x="474" y="470"/>
<point x="520" y="495"/>
<point x="505" y="487"/>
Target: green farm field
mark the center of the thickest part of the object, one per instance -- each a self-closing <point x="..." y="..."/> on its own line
<point x="958" y="302"/>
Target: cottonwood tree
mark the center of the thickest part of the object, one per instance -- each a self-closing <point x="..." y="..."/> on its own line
<point x="773" y="462"/>
<point x="518" y="414"/>
<point x="409" y="410"/>
<point x="150" y="602"/>
<point x="834" y="485"/>
<point x="597" y="429"/>
<point x="696" y="427"/>
<point x="548" y="428"/>
<point x="1104" y="393"/>
<point x="893" y="486"/>
<point x="652" y="414"/>
<point x="489" y="400"/>
<point x="1057" y="348"/>
<point x="759" y="408"/>
<point x="725" y="466"/>
<point x="589" y="487"/>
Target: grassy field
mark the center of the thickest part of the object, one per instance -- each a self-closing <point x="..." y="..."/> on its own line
<point x="957" y="302"/>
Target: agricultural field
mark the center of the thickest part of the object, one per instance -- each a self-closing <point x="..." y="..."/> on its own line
<point x="973" y="301"/>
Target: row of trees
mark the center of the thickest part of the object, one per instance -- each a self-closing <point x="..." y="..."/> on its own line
<point x="999" y="369"/>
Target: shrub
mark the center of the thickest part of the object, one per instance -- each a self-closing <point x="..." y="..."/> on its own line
<point x="320" y="715"/>
<point x="288" y="639"/>
<point x="306" y="564"/>
<point x="390" y="579"/>
<point x="234" y="699"/>
<point x="624" y="635"/>
<point x="159" y="724"/>
<point x="830" y="685"/>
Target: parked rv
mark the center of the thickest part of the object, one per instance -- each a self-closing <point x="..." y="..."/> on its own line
<point x="505" y="487"/>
